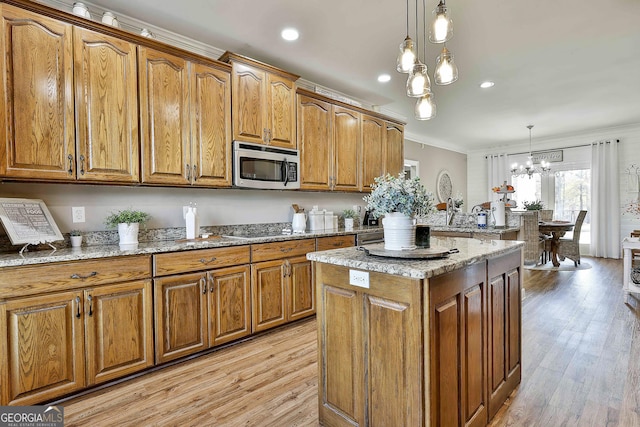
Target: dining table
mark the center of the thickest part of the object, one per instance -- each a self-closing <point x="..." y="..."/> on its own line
<point x="555" y="230"/>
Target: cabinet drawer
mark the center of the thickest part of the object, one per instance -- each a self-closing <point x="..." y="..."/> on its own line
<point x="279" y="250"/>
<point x="334" y="242"/>
<point x="203" y="259"/>
<point x="26" y="280"/>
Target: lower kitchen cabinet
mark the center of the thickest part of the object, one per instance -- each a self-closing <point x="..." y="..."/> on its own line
<point x="62" y="342"/>
<point x="335" y="242"/>
<point x="281" y="286"/>
<point x="200" y="310"/>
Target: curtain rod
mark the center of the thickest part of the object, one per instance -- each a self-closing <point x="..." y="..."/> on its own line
<point x="559" y="148"/>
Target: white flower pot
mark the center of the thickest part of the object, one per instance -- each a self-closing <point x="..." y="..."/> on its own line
<point x="348" y="224"/>
<point x="399" y="232"/>
<point x="128" y="234"/>
<point x="76" y="241"/>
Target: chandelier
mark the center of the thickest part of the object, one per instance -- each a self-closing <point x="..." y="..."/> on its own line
<point x="528" y="169"/>
<point x="408" y="61"/>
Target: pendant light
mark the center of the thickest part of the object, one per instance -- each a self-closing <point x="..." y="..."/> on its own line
<point x="441" y="30"/>
<point x="407" y="54"/>
<point x="425" y="107"/>
<point x="446" y="71"/>
<point x="418" y="83"/>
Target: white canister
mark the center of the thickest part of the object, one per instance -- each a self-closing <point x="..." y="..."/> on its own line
<point x="110" y="19"/>
<point x="316" y="221"/>
<point x="482" y="220"/>
<point x="81" y="10"/>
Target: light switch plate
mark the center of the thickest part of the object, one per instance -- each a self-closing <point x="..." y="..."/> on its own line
<point x="359" y="278"/>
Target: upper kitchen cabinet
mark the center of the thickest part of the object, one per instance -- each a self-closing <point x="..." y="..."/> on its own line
<point x="106" y="108"/>
<point x="347" y="153"/>
<point x="263" y="106"/>
<point x="37" y="92"/>
<point x="394" y="156"/>
<point x="373" y="140"/>
<point x="315" y="143"/>
<point x="185" y="124"/>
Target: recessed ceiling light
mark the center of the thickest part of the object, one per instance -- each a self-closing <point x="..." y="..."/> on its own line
<point x="290" y="34"/>
<point x="383" y="78"/>
<point x="486" y="85"/>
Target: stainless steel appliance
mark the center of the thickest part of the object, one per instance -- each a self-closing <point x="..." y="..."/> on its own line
<point x="369" y="238"/>
<point x="265" y="167"/>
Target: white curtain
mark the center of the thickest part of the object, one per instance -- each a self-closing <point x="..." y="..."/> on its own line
<point x="605" y="200"/>
<point x="498" y="171"/>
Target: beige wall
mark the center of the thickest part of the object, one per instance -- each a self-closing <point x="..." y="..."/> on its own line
<point x="432" y="160"/>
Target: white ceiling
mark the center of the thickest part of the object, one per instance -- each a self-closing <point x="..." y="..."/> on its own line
<point x="566" y="66"/>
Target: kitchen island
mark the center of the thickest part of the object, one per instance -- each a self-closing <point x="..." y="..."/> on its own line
<point x="418" y="342"/>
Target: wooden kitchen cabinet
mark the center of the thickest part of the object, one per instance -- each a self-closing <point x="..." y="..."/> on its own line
<point x="347" y="153"/>
<point x="504" y="328"/>
<point x="458" y="306"/>
<point x="394" y="146"/>
<point x="185" y="122"/>
<point x="106" y="96"/>
<point x="373" y="138"/>
<point x="263" y="102"/>
<point x="281" y="284"/>
<point x="335" y="242"/>
<point x="82" y="332"/>
<point x="37" y="94"/>
<point x="195" y="311"/>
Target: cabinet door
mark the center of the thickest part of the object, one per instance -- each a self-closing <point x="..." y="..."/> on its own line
<point x="119" y="330"/>
<point x="210" y="126"/>
<point x="394" y="145"/>
<point x="281" y="111"/>
<point x="335" y="242"/>
<point x="314" y="141"/>
<point x="302" y="301"/>
<point x="37" y="96"/>
<point x="164" y="117"/>
<point x="268" y="291"/>
<point x="229" y="304"/>
<point x="373" y="135"/>
<point x="180" y="304"/>
<point x="107" y="108"/>
<point x="249" y="118"/>
<point x="504" y="329"/>
<point x="346" y="149"/>
<point x="43" y="340"/>
<point x="458" y="342"/>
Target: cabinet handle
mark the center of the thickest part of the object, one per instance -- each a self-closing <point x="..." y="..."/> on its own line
<point x="188" y="172"/>
<point x="77" y="276"/>
<point x="78" y="307"/>
<point x="203" y="284"/>
<point x="269" y="136"/>
<point x="204" y="261"/>
<point x="90" y="305"/>
<point x="195" y="176"/>
<point x="81" y="164"/>
<point x="264" y="135"/>
<point x="286" y="249"/>
<point x="70" y="157"/>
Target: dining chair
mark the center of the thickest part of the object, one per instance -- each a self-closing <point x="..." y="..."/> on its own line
<point x="546" y="215"/>
<point x="635" y="253"/>
<point x="570" y="248"/>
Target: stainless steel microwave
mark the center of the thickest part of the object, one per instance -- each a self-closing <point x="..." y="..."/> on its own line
<point x="265" y="167"/>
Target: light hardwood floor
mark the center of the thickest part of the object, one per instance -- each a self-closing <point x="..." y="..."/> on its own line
<point x="581" y="367"/>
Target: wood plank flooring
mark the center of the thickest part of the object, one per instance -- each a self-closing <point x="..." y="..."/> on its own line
<point x="581" y="367"/>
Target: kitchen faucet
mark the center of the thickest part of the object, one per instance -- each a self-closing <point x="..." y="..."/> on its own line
<point x="450" y="210"/>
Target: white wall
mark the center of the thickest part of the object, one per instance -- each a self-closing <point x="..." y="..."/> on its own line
<point x="628" y="150"/>
<point x="215" y="207"/>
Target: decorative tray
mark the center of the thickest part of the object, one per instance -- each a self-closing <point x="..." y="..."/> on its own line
<point x="418" y="253"/>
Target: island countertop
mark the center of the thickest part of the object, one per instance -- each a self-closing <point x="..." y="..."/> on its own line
<point x="469" y="252"/>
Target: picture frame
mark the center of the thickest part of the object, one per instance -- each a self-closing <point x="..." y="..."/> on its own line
<point x="444" y="186"/>
<point x="28" y="221"/>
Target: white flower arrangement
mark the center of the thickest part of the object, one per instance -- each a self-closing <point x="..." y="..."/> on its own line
<point x="458" y="201"/>
<point x="397" y="194"/>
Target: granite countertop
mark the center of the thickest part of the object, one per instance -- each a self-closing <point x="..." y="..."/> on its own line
<point x="473" y="229"/>
<point x="14" y="259"/>
<point x="470" y="252"/>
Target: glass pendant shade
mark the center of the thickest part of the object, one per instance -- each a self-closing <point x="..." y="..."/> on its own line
<point x="442" y="28"/>
<point x="418" y="83"/>
<point x="446" y="70"/>
<point x="406" y="56"/>
<point x="425" y="107"/>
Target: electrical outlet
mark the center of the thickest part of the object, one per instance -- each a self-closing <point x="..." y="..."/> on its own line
<point x="359" y="278"/>
<point x="77" y="214"/>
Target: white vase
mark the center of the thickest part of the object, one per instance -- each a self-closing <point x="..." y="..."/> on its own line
<point x="348" y="224"/>
<point x="128" y="234"/>
<point x="399" y="231"/>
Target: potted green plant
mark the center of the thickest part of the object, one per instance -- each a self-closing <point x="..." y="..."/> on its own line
<point x="399" y="200"/>
<point x="76" y="238"/>
<point x="349" y="216"/>
<point x="536" y="205"/>
<point x="128" y="223"/>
